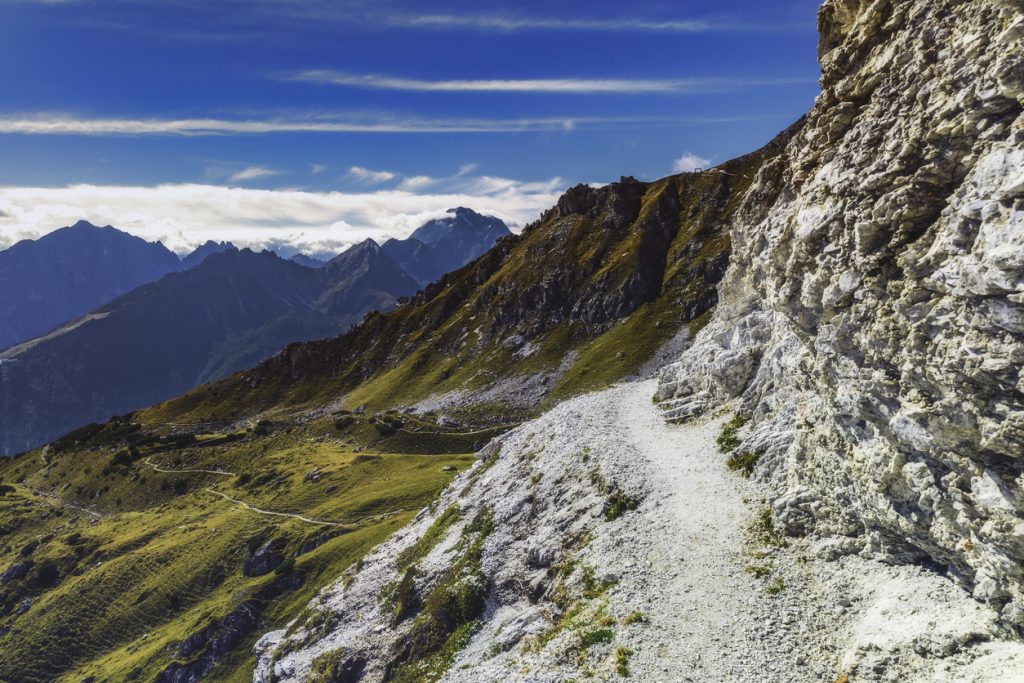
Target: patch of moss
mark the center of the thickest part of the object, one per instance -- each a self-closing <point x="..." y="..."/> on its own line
<point x="597" y="636"/>
<point x="637" y="617"/>
<point x="758" y="571"/>
<point x="764" y="531"/>
<point x="594" y="587"/>
<point x="325" y="666"/>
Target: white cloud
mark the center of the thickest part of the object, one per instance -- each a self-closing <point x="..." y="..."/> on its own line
<point x="314" y="169"/>
<point x="49" y="124"/>
<point x="575" y="86"/>
<point x="365" y="175"/>
<point x="183" y="216"/>
<point x="536" y="85"/>
<point x="690" y="162"/>
<point x="418" y="182"/>
<point x="251" y="173"/>
<point x="503" y="23"/>
<point x="466" y="169"/>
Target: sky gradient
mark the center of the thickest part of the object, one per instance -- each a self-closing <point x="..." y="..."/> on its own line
<point x="311" y="125"/>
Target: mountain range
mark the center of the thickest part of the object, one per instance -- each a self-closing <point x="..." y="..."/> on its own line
<point x="231" y="310"/>
<point x="50" y="281"/>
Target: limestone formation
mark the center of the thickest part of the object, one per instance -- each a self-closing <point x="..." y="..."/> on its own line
<point x="872" y="320"/>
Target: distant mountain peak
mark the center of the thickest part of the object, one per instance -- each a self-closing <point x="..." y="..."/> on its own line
<point x="86" y="225"/>
<point x="204" y="251"/>
<point x="461" y="221"/>
<point x="366" y="245"/>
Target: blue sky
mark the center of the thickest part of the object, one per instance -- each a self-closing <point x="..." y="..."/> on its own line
<point x="310" y="125"/>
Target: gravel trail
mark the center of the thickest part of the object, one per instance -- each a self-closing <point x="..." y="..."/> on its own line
<point x="687" y="583"/>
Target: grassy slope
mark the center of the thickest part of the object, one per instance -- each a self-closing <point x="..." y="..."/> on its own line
<point x="165" y="561"/>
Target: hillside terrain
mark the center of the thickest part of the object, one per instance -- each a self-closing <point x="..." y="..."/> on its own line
<point x="760" y="422"/>
<point x="861" y="369"/>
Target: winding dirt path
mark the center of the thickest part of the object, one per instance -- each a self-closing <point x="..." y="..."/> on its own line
<point x="156" y="468"/>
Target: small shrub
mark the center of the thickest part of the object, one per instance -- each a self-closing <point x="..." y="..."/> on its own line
<point x="5" y="489"/>
<point x="775" y="586"/>
<point x="343" y="422"/>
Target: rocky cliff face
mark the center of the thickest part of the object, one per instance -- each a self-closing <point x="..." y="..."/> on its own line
<point x="872" y="320"/>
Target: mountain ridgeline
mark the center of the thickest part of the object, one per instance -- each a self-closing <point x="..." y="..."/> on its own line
<point x="230" y="311"/>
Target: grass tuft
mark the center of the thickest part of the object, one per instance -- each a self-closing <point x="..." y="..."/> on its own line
<point x="622" y="657"/>
<point x="729" y="439"/>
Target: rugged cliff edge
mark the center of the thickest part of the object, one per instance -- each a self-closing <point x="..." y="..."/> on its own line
<point x="872" y="320"/>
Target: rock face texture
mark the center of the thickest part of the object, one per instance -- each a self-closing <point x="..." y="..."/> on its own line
<point x="871" y="323"/>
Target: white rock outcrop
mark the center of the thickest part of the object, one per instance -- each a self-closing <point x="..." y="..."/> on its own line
<point x="872" y="320"/>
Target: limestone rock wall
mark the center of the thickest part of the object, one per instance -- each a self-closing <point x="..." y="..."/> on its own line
<point x="872" y="321"/>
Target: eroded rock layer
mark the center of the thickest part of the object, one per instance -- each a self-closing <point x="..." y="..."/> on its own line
<point x="872" y="320"/>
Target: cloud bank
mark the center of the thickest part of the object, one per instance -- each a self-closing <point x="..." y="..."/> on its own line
<point x="183" y="216"/>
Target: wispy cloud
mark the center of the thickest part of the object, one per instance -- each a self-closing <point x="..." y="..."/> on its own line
<point x="183" y="216"/>
<point x="365" y="175"/>
<point x="251" y="173"/>
<point x="508" y="23"/>
<point x="315" y="169"/>
<point x="466" y="169"/>
<point x="570" y="86"/>
<point x="689" y="162"/>
<point x="49" y="124"/>
<point x="417" y="183"/>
